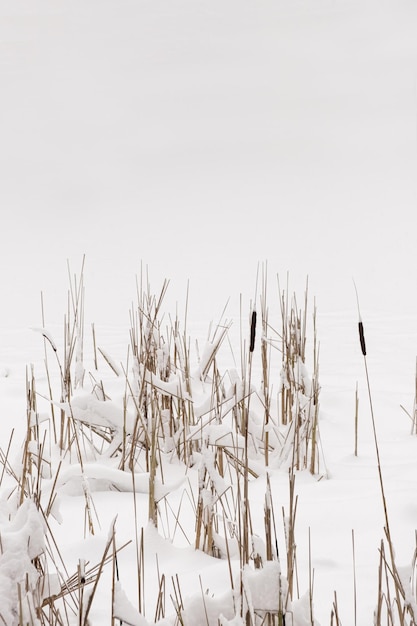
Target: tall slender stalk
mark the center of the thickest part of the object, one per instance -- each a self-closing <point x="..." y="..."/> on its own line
<point x="399" y="590"/>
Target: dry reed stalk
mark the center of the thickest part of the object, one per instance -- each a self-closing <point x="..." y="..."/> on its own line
<point x="310" y="579"/>
<point x="245" y="501"/>
<point x="93" y="332"/>
<point x="139" y="550"/>
<point x="268" y="520"/>
<point x="109" y="362"/>
<point x="266" y="360"/>
<point x="160" y="603"/>
<point x="20" y="605"/>
<point x="285" y="403"/>
<point x="314" y="400"/>
<point x="101" y="565"/>
<point x="176" y="515"/>
<point x="238" y="464"/>
<point x="81" y="585"/>
<point x="334" y="618"/>
<point x="289" y="528"/>
<point x="386" y="599"/>
<point x="153" y="418"/>
<point x="177" y="601"/>
<point x="200" y="539"/>
<point x="115" y="577"/>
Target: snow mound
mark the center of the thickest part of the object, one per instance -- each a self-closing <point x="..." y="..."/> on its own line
<point x="22" y="541"/>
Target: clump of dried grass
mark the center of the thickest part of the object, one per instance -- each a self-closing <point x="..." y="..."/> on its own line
<point x="220" y="437"/>
<point x="159" y="388"/>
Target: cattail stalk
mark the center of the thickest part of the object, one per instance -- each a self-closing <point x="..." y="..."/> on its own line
<point x="399" y="590"/>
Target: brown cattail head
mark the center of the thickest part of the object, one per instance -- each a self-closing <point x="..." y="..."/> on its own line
<point x="362" y="338"/>
<point x="252" y="331"/>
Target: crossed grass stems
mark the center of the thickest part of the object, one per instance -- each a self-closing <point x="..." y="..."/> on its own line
<point x="167" y="425"/>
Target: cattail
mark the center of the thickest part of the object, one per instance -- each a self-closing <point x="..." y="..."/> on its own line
<point x="360" y="324"/>
<point x="362" y="337"/>
<point x="252" y="331"/>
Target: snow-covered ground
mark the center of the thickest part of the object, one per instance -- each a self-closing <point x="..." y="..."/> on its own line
<point x="201" y="139"/>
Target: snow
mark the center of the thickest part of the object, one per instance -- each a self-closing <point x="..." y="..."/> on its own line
<point x="194" y="141"/>
<point x="263" y="587"/>
<point x="22" y="540"/>
<point x="124" y="610"/>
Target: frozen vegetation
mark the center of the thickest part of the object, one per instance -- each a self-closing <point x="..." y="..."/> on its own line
<point x="164" y="488"/>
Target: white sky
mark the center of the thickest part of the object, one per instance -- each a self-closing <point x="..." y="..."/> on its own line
<point x="202" y="138"/>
